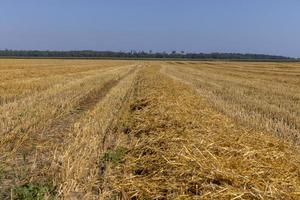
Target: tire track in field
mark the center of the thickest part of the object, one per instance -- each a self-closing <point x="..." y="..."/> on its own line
<point x="80" y="166"/>
<point x="87" y="73"/>
<point x="109" y="140"/>
<point x="64" y="123"/>
<point x="12" y="114"/>
<point x="54" y="119"/>
<point x="52" y="137"/>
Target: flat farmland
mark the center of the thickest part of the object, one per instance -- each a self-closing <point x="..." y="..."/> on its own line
<point x="109" y="129"/>
<point x="263" y="95"/>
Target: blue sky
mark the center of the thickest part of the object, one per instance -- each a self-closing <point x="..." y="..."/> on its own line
<point x="254" y="26"/>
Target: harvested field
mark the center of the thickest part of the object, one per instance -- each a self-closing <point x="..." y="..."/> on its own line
<point x="260" y="95"/>
<point x="82" y="129"/>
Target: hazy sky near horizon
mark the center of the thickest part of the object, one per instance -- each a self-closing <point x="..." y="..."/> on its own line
<point x="246" y="26"/>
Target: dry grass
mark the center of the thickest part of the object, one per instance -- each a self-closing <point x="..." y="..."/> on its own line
<point x="34" y="127"/>
<point x="260" y="95"/>
<point x="179" y="148"/>
<point x="88" y="140"/>
<point x="21" y="78"/>
<point x="81" y="129"/>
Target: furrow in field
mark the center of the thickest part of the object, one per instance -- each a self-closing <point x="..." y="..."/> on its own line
<point x="81" y="172"/>
<point x="13" y="90"/>
<point x="41" y="136"/>
<point x="63" y="123"/>
<point x="58" y="97"/>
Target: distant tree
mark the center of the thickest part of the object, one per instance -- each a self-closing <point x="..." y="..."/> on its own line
<point x="140" y="54"/>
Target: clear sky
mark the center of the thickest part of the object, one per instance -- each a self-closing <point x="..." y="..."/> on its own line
<point x="254" y="26"/>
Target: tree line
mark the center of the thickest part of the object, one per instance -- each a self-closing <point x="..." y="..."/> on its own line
<point x="138" y="55"/>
